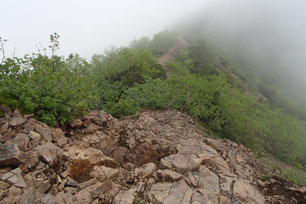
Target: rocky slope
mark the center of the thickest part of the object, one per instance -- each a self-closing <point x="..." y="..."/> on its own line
<point x="154" y="157"/>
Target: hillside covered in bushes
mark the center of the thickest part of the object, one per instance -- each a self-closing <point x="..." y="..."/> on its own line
<point x="196" y="79"/>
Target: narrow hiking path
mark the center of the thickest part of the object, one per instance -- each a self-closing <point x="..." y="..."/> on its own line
<point x="181" y="42"/>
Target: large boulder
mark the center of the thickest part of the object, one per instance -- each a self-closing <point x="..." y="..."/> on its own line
<point x="14" y="177"/>
<point x="49" y="152"/>
<point x="44" y="130"/>
<point x="22" y="140"/>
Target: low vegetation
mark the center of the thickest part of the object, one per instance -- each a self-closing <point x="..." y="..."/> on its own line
<point x="125" y="80"/>
<point x="80" y="169"/>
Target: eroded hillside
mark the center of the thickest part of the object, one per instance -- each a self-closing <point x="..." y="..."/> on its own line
<point x="154" y="157"/>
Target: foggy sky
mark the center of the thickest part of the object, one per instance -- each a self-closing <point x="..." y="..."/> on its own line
<point x="270" y="34"/>
<point x="86" y="26"/>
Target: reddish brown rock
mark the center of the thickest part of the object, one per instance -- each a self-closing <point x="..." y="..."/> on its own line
<point x="77" y="123"/>
<point x="44" y="131"/>
<point x="49" y="152"/>
<point x="9" y="155"/>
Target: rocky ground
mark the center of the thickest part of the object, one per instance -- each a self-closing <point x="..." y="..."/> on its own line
<point x="154" y="157"/>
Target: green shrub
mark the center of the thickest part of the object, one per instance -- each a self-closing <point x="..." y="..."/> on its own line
<point x="294" y="175"/>
<point x="126" y="66"/>
<point x="53" y="88"/>
<point x="162" y="42"/>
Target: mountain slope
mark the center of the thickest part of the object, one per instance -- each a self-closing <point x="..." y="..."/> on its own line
<point x="154" y="157"/>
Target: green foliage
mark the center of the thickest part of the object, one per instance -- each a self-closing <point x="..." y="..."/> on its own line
<point x="162" y="42"/>
<point x="127" y="66"/>
<point x="125" y="80"/>
<point x="53" y="88"/>
<point x="294" y="175"/>
<point x="141" y="44"/>
<point x="212" y="100"/>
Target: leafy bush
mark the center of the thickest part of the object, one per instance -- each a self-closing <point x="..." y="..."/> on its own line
<point x="53" y="88"/>
<point x="162" y="42"/>
<point x="126" y="66"/>
<point x="228" y="112"/>
<point x="125" y="80"/>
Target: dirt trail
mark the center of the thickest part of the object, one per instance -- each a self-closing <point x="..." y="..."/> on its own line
<point x="181" y="42"/>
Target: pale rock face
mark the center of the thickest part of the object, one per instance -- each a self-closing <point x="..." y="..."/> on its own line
<point x="244" y="191"/>
<point x="125" y="197"/>
<point x="93" y="155"/>
<point x="180" y="163"/>
<point x="207" y="180"/>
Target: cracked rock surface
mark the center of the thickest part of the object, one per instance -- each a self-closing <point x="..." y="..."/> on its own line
<point x="155" y="157"/>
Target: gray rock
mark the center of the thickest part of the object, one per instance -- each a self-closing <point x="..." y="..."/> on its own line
<point x="99" y="188"/>
<point x="181" y="163"/>
<point x="44" y="131"/>
<point x="7" y="176"/>
<point x="22" y="140"/>
<point x="92" y="128"/>
<point x="70" y="182"/>
<point x="13" y="195"/>
<point x="145" y="170"/>
<point x="34" y="135"/>
<point x="62" y="197"/>
<point x="83" y="196"/>
<point x="31" y="195"/>
<point x="207" y="180"/>
<point x="48" y="199"/>
<point x="169" y="175"/>
<point x="247" y="193"/>
<point x="9" y="155"/>
<point x="77" y="123"/>
<point x="12" y="180"/>
<point x="125" y="197"/>
<point x="17" y="121"/>
<point x="203" y="196"/>
<point x="15" y="177"/>
<point x="170" y="193"/>
<point x="49" y="152"/>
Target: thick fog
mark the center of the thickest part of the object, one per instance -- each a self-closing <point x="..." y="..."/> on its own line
<point x="269" y="35"/>
<point x="86" y="26"/>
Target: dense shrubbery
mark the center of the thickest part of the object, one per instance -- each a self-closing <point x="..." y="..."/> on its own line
<point x="228" y="112"/>
<point x="126" y="66"/>
<point x="53" y="88"/>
